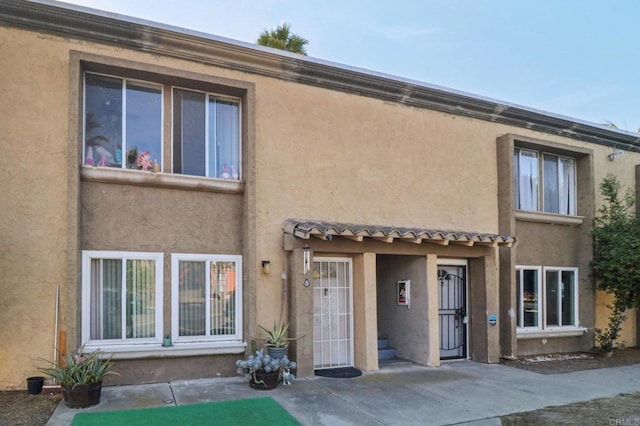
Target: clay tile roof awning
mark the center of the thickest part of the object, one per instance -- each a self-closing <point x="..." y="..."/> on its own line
<point x="327" y="230"/>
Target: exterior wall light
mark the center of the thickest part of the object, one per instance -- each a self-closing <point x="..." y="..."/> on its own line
<point x="306" y="259"/>
<point x="266" y="267"/>
<point x="615" y="154"/>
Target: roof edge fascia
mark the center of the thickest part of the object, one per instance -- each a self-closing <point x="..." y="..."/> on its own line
<point x="69" y="20"/>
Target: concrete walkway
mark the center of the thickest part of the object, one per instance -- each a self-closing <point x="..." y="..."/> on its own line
<point x="455" y="393"/>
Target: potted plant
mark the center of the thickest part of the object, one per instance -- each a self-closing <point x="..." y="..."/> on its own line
<point x="80" y="377"/>
<point x="264" y="372"/>
<point x="277" y="339"/>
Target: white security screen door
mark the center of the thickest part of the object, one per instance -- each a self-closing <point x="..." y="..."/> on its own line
<point x="332" y="313"/>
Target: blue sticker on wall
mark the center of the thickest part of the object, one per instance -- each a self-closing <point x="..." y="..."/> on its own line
<point x="493" y="320"/>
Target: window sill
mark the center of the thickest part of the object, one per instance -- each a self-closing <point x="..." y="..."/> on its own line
<point x="161" y="180"/>
<point x="156" y="350"/>
<point x="556" y="219"/>
<point x="550" y="334"/>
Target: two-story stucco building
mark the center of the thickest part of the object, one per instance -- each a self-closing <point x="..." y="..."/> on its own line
<point x="166" y="191"/>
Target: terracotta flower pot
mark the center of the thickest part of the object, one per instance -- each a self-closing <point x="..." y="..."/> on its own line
<point x="81" y="396"/>
<point x="265" y="381"/>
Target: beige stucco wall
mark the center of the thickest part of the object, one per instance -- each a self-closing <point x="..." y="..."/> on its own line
<point x="628" y="336"/>
<point x="33" y="224"/>
<point x="405" y="327"/>
<point x="41" y="209"/>
<point x="320" y="154"/>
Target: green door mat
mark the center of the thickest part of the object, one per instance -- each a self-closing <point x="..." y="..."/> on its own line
<point x="255" y="411"/>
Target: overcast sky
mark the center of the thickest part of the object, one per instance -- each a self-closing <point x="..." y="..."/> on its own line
<point x="578" y="58"/>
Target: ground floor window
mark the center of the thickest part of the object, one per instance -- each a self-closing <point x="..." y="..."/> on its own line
<point x="122" y="297"/>
<point x="206" y="297"/>
<point x="547" y="297"/>
<point x="122" y="301"/>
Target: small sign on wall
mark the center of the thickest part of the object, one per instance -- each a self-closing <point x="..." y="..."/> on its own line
<point x="403" y="293"/>
<point x="493" y="320"/>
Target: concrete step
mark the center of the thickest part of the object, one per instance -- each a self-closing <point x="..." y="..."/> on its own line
<point x="387" y="353"/>
<point x="393" y="362"/>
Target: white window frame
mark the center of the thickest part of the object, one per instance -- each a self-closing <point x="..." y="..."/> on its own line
<point x="116" y="344"/>
<point x="542" y="300"/>
<point x="176" y="258"/>
<point x="207" y="128"/>
<point x="543" y="330"/>
<point x="559" y="270"/>
<point x="123" y="129"/>
<point x="520" y="316"/>
<point x="540" y="184"/>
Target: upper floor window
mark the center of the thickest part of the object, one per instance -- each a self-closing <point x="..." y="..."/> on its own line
<point x="123" y="128"/>
<point x="547" y="297"/>
<point x="206" y="135"/>
<point x="122" y="123"/>
<point x="544" y="182"/>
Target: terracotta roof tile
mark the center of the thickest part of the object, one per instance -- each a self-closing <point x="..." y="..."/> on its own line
<point x="306" y="228"/>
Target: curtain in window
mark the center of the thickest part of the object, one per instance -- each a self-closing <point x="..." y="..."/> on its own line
<point x="189" y="151"/>
<point x="192" y="296"/>
<point x="552" y="297"/>
<point x="140" y="298"/>
<point x="551" y="198"/>
<point x="106" y="299"/>
<point x="568" y="298"/>
<point x="106" y="316"/>
<point x="566" y="186"/>
<point x="224" y="139"/>
<point x="528" y="181"/>
<point x="206" y="135"/>
<point x="222" y="311"/>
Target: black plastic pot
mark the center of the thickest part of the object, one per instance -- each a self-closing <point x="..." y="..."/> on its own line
<point x="34" y="385"/>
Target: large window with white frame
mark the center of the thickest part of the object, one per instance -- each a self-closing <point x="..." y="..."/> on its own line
<point x="124" y="121"/>
<point x="121" y="298"/>
<point x="547" y="297"/>
<point x="544" y="182"/>
<point x="206" y="293"/>
<point x="205" y="135"/>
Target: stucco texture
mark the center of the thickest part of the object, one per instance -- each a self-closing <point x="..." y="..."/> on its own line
<point x="33" y="225"/>
<point x="40" y="227"/>
<point x="323" y="155"/>
<point x="319" y="154"/>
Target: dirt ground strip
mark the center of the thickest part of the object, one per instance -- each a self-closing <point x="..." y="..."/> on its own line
<point x="566" y="363"/>
<point x="623" y="410"/>
<point x="18" y="408"/>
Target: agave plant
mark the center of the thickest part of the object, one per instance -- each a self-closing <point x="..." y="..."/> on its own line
<point x="80" y="368"/>
<point x="277" y="336"/>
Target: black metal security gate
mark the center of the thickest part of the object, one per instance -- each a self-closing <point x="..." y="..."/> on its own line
<point x="452" y="308"/>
